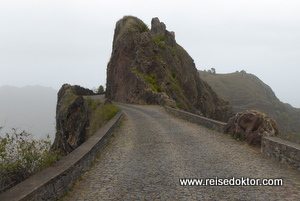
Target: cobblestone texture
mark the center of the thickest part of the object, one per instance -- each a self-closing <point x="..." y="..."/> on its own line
<point x="153" y="149"/>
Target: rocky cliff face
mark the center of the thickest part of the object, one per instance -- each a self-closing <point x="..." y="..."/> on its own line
<point x="71" y="118"/>
<point x="149" y="67"/>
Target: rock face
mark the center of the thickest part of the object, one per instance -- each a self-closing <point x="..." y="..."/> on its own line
<point x="149" y="67"/>
<point x="71" y="118"/>
<point x="251" y="126"/>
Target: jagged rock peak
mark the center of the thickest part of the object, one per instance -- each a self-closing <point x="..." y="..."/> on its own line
<point x="157" y="28"/>
<point x="149" y="67"/>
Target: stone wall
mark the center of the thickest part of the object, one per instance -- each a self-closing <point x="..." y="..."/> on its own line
<point x="209" y="123"/>
<point x="281" y="150"/>
<point x="53" y="182"/>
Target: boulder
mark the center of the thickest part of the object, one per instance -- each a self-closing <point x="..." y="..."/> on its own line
<point x="251" y="126"/>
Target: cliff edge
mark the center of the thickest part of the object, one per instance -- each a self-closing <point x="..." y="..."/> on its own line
<point x="71" y="119"/>
<point x="78" y="117"/>
<point x="149" y="67"/>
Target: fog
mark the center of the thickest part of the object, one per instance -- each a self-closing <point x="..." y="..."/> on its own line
<point x="50" y="43"/>
<point x="31" y="108"/>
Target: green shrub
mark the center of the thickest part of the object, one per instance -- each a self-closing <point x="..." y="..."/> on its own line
<point x="131" y="29"/>
<point x="156" y="88"/>
<point x="174" y="75"/>
<point x="100" y="89"/>
<point x="173" y="53"/>
<point x="239" y="138"/>
<point x="159" y="40"/>
<point x="153" y="76"/>
<point x="151" y="79"/>
<point x="144" y="27"/>
<point x="133" y="69"/>
<point x="21" y="156"/>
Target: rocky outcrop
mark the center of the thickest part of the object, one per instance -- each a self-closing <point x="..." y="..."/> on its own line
<point x="251" y="126"/>
<point x="81" y="91"/>
<point x="149" y="67"/>
<point x="71" y="118"/>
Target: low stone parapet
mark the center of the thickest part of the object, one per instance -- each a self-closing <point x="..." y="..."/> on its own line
<point x="281" y="150"/>
<point x="207" y="122"/>
<point x="53" y="182"/>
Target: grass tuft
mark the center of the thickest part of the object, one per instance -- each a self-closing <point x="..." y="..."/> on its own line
<point x="144" y="27"/>
<point x="160" y="41"/>
<point x="101" y="115"/>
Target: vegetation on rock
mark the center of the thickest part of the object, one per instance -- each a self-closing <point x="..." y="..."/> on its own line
<point x="77" y="118"/>
<point x="100" y="114"/>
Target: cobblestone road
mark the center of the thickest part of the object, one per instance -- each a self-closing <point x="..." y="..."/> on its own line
<point x="153" y="149"/>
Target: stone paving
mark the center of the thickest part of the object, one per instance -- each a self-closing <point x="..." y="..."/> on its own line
<point x="152" y="150"/>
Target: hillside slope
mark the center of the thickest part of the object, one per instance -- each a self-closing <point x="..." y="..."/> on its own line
<point x="149" y="67"/>
<point x="246" y="91"/>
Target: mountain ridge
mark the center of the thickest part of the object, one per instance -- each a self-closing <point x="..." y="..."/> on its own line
<point x="246" y="91"/>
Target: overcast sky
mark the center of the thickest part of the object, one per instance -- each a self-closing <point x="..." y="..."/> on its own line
<point x="52" y="42"/>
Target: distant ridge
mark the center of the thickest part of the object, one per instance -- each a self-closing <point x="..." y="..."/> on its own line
<point x="245" y="91"/>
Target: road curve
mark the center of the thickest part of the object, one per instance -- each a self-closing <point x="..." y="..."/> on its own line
<point x="152" y="150"/>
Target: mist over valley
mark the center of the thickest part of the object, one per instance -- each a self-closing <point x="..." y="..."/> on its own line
<point x="30" y="108"/>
